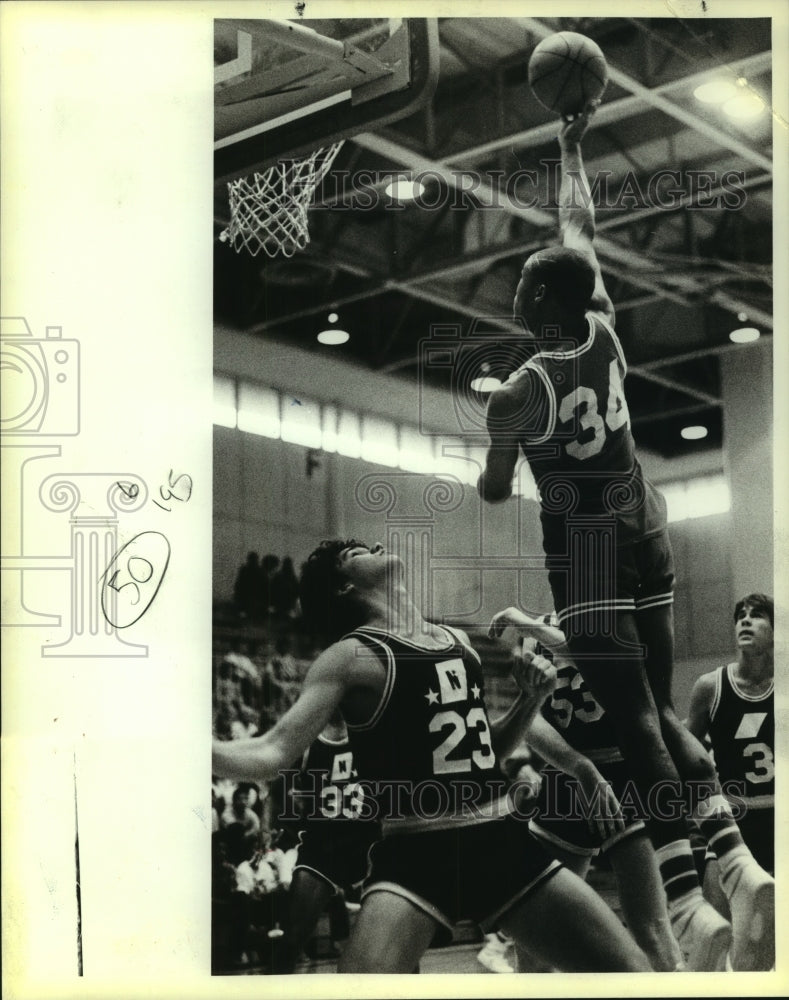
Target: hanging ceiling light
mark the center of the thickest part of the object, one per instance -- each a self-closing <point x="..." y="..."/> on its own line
<point x="404" y="189"/>
<point x="334" y="336"/>
<point x="485" y="383"/>
<point x="744" y="335"/>
<point x="744" y="107"/>
<point x="694" y="433"/>
<point x="715" y="91"/>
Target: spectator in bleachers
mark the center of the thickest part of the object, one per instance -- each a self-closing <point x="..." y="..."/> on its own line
<point x="284" y="673"/>
<point x="285" y="591"/>
<point x="269" y="565"/>
<point x="240" y="827"/>
<point x="246" y="587"/>
<point x="238" y="696"/>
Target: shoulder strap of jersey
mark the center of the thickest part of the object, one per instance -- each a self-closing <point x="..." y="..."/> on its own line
<point x="540" y="381"/>
<point x="599" y="320"/>
<point x="465" y="643"/>
<point x="384" y="653"/>
<point x="716" y="700"/>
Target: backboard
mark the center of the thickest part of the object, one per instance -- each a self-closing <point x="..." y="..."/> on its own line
<point x="282" y="88"/>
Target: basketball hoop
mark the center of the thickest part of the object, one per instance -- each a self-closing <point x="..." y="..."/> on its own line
<point x="268" y="211"/>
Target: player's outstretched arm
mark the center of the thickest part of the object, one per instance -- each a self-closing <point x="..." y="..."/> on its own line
<point x="261" y="758"/>
<point x="576" y="206"/>
<point x="536" y="678"/>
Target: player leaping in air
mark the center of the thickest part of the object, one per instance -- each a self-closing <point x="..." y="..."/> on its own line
<point x="610" y="565"/>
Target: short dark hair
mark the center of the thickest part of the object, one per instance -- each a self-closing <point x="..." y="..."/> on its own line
<point x="566" y="272"/>
<point x="756" y="602"/>
<point x="326" y="612"/>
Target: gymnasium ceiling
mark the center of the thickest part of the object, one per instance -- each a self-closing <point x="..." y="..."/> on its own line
<point x="681" y="276"/>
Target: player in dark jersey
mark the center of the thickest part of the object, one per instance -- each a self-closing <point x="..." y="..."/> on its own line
<point x="610" y="564"/>
<point x="582" y="784"/>
<point x="333" y="842"/>
<point x="733" y="707"/>
<point x="412" y="696"/>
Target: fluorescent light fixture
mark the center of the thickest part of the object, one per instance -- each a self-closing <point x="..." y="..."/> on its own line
<point x="485" y="383"/>
<point x="694" y="433"/>
<point x="744" y="335"/>
<point x="334" y="337"/>
<point x="715" y="91"/>
<point x="404" y="189"/>
<point x="744" y="107"/>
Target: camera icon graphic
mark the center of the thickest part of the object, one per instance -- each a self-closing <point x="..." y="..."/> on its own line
<point x="40" y="381"/>
<point x="472" y="362"/>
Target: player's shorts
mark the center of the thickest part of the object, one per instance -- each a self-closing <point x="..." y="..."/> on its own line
<point x="475" y="872"/>
<point x="757" y="827"/>
<point x="337" y="850"/>
<point x="560" y="821"/>
<point x="634" y="577"/>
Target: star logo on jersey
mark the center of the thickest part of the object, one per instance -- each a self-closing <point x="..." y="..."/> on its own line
<point x="452" y="681"/>
<point x="476" y="691"/>
<point x="432" y="697"/>
<point x="749" y="726"/>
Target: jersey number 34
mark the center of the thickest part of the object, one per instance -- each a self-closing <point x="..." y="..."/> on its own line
<point x="616" y="414"/>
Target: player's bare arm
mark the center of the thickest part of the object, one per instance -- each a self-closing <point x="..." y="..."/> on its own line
<point x="576" y="208"/>
<point x="606" y="817"/>
<point x="495" y="483"/>
<point x="262" y="757"/>
<point x="526" y="624"/>
<point x="700" y="710"/>
<point x="536" y="679"/>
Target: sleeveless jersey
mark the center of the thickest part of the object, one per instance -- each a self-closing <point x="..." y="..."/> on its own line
<point x="582" y="453"/>
<point x="574" y="713"/>
<point x="742" y="731"/>
<point x="328" y="782"/>
<point x="427" y="752"/>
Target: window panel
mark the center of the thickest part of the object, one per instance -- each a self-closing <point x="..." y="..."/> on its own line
<point x="379" y="441"/>
<point x="258" y="410"/>
<point x="416" y="453"/>
<point x="224" y="401"/>
<point x="301" y="421"/>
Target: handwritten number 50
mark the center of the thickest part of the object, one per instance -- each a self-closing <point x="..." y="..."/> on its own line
<point x="132" y="579"/>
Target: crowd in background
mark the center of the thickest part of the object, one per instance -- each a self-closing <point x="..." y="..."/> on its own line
<point x="266" y="588"/>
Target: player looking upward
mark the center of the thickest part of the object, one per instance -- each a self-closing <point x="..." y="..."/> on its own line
<point x="733" y="706"/>
<point x="413" y="700"/>
<point x="610" y="564"/>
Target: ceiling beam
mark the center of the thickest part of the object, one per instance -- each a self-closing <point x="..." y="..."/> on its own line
<point x="490" y="197"/>
<point x="656" y="100"/>
<point x="611" y="111"/>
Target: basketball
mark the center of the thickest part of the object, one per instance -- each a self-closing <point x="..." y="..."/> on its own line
<point x="566" y="71"/>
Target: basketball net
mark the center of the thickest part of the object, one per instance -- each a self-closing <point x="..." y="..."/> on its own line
<point x="268" y="211"/>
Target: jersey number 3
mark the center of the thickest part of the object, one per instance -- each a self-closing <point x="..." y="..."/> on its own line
<point x="616" y="414"/>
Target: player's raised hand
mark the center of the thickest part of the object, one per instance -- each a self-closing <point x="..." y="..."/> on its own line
<point x="535" y="675"/>
<point x="509" y="616"/>
<point x="574" y="127"/>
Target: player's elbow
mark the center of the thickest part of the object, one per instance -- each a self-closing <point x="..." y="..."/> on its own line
<point x="493" y="489"/>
